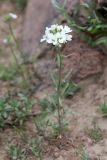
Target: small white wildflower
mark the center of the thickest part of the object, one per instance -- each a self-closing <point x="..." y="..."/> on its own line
<point x="13" y="16"/>
<point x="5" y="41"/>
<point x="67" y="29"/>
<point x="57" y="35"/>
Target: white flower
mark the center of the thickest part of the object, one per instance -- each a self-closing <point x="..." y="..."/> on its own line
<point x="13" y="16"/>
<point x="5" y="41"/>
<point x="67" y="29"/>
<point x="57" y="35"/>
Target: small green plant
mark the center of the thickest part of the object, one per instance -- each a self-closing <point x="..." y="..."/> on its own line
<point x="32" y="147"/>
<point x="48" y="104"/>
<point x="103" y="109"/>
<point x="20" y="4"/>
<point x="4" y="111"/>
<point x="49" y="107"/>
<point x="95" y="134"/>
<point x="85" y="155"/>
<point x="68" y="88"/>
<point x="8" y="73"/>
<point x="36" y="147"/>
<point x="46" y="122"/>
<point x="1" y="51"/>
<point x="16" y="152"/>
<point x="41" y="123"/>
<point x="93" y="26"/>
<point x="14" y="110"/>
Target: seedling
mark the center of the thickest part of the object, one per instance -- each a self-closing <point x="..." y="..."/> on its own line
<point x="103" y="109"/>
<point x="83" y="153"/>
<point x="16" y="152"/>
<point x="85" y="156"/>
<point x="36" y="148"/>
<point x="95" y="134"/>
<point x="8" y="73"/>
<point x="21" y="4"/>
<point x="14" y="111"/>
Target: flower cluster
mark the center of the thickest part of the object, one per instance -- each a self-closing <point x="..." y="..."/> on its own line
<point x="13" y="16"/>
<point x="57" y="35"/>
<point x="10" y="17"/>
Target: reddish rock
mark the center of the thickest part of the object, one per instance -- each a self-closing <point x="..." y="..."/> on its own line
<point x="82" y="60"/>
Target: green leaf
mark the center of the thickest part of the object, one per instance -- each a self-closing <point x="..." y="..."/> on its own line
<point x="56" y="4"/>
<point x="65" y="2"/>
<point x="85" y="5"/>
<point x="105" y="8"/>
<point x="85" y="156"/>
<point x="58" y="60"/>
<point x="102" y="40"/>
<point x="69" y="89"/>
<point x="54" y="79"/>
<point x="5" y="115"/>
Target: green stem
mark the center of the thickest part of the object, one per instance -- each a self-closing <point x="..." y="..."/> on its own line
<point x="40" y="156"/>
<point x="59" y="91"/>
<point x="18" y="65"/>
<point x="21" y="54"/>
<point x="15" y="40"/>
<point x="13" y="54"/>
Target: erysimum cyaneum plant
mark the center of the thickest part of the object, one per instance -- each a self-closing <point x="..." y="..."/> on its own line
<point x="58" y="35"/>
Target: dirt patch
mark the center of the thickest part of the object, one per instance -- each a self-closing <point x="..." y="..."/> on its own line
<point x="89" y="69"/>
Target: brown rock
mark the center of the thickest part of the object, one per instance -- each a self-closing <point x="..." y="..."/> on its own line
<point x="39" y="14"/>
<point x="83" y="61"/>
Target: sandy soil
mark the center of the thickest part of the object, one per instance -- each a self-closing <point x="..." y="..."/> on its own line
<point x="82" y="109"/>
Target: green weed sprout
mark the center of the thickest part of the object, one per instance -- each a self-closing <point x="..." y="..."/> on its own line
<point x="103" y="108"/>
<point x="18" y="109"/>
<point x="16" y="152"/>
<point x="85" y="156"/>
<point x="95" y="134"/>
<point x="21" y="4"/>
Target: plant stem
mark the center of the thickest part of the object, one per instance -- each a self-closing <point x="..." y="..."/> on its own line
<point x="16" y="43"/>
<point x="18" y="65"/>
<point x="21" y="54"/>
<point x="40" y="156"/>
<point x="59" y="91"/>
<point x="13" y="54"/>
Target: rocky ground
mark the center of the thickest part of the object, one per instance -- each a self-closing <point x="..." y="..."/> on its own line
<point x="88" y="69"/>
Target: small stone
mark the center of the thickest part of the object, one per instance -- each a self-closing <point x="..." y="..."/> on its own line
<point x="60" y="158"/>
